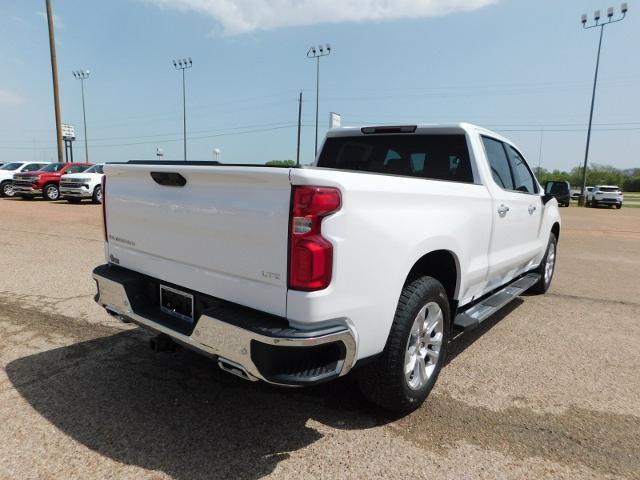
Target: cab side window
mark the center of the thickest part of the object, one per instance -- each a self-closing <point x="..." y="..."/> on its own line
<point x="499" y="163"/>
<point x="522" y="176"/>
<point x="33" y="167"/>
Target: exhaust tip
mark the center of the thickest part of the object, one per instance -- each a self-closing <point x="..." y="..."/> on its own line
<point x="234" y="369"/>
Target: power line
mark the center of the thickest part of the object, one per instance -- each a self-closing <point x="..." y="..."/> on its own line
<point x="153" y="142"/>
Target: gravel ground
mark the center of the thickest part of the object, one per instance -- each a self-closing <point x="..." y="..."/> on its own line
<point x="548" y="388"/>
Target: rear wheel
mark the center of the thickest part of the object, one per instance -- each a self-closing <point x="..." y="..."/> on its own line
<point x="619" y="206"/>
<point x="6" y="189"/>
<point x="51" y="192"/>
<point x="402" y="377"/>
<point x="547" y="267"/>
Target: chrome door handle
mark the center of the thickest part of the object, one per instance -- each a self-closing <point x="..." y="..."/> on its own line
<point x="502" y="210"/>
<point x="532" y="208"/>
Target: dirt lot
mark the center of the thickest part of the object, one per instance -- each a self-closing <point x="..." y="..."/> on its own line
<point x="548" y="389"/>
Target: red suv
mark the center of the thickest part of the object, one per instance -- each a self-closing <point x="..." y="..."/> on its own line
<point x="46" y="181"/>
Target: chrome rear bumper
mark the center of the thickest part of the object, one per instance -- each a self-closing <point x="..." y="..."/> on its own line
<point x="241" y="350"/>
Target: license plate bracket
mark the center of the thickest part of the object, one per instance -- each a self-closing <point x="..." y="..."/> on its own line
<point x="176" y="303"/>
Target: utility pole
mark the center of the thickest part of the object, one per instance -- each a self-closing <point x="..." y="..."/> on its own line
<point x="299" y="129"/>
<point x="82" y="75"/>
<point x="596" y="17"/>
<point x="540" y="149"/>
<point x="54" y="76"/>
<point x="183" y="64"/>
<point x="321" y="51"/>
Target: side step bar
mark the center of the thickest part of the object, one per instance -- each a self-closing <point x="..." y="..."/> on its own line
<point x="473" y="316"/>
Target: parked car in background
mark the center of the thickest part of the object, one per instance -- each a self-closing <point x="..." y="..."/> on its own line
<point x="396" y="237"/>
<point x="46" y="181"/>
<point x="8" y="170"/>
<point x="74" y="187"/>
<point x="560" y="190"/>
<point x="605" y="195"/>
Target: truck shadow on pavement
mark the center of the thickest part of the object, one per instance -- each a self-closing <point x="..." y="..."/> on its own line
<point x="175" y="412"/>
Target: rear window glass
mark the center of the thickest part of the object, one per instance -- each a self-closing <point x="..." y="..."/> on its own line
<point x="438" y="157"/>
<point x="557" y="187"/>
<point x="608" y="189"/>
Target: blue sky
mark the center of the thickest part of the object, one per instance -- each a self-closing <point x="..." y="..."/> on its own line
<point x="518" y="67"/>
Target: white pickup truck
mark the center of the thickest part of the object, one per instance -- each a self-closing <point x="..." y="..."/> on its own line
<point x="74" y="187"/>
<point x="370" y="258"/>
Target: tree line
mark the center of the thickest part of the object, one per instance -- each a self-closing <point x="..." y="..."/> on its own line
<point x="627" y="179"/>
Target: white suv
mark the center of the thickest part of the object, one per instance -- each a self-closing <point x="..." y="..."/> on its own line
<point x="9" y="169"/>
<point x="88" y="184"/>
<point x="605" y="195"/>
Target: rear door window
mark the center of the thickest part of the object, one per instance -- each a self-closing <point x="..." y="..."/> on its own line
<point x="438" y="157"/>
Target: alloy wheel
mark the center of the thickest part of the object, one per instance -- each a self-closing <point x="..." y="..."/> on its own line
<point x="423" y="346"/>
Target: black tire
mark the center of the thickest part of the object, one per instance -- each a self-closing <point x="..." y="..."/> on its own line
<point x="383" y="381"/>
<point x="545" y="281"/>
<point x="619" y="206"/>
<point x="51" y="192"/>
<point x="73" y="200"/>
<point x="6" y="189"/>
<point x="97" y="194"/>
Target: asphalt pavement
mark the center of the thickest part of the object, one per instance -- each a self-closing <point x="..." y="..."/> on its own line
<point x="549" y="388"/>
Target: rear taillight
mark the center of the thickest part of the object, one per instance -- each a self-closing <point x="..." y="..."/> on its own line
<point x="104" y="207"/>
<point x="310" y="254"/>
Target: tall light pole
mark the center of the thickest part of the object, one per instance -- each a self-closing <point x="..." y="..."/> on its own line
<point x="596" y="18"/>
<point x="54" y="77"/>
<point x="82" y="75"/>
<point x="317" y="52"/>
<point x="183" y="64"/>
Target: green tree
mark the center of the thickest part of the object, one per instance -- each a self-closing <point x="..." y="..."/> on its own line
<point x="281" y="163"/>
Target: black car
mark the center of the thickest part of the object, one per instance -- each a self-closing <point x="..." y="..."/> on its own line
<point x="560" y="190"/>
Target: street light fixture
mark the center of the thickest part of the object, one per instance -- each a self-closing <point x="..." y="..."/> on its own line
<point x="183" y="64"/>
<point x="317" y="52"/>
<point x="82" y="75"/>
<point x="596" y="18"/>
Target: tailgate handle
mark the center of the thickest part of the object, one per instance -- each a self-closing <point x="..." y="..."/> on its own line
<point x="169" y="179"/>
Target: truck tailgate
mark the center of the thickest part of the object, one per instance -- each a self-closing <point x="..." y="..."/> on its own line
<point x="224" y="233"/>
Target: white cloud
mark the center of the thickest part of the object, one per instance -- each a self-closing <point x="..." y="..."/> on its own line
<point x="10" y="99"/>
<point x="241" y="16"/>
